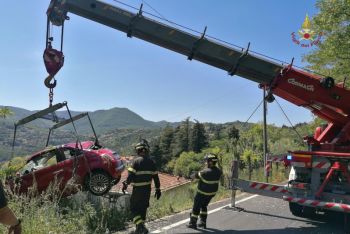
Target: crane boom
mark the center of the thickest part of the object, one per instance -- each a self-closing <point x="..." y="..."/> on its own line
<point x="317" y="173"/>
<point x="320" y="95"/>
<point x="232" y="60"/>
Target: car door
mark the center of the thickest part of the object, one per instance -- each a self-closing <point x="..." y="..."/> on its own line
<point x="24" y="180"/>
<point x="50" y="172"/>
<point x="72" y="169"/>
<point x="67" y="165"/>
<point x="24" y="183"/>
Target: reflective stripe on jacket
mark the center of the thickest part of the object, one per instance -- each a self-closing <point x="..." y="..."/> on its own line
<point x="142" y="171"/>
<point x="209" y="179"/>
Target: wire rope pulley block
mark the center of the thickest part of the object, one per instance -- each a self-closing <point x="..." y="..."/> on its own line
<point x="53" y="59"/>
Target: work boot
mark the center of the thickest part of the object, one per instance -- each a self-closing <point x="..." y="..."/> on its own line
<point x="192" y="223"/>
<point x="141" y="229"/>
<point x="202" y="224"/>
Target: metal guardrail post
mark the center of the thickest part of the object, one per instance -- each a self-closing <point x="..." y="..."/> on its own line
<point x="234" y="177"/>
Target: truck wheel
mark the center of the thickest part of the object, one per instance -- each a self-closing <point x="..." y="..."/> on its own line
<point x="98" y="183"/>
<point x="309" y="212"/>
<point x="296" y="209"/>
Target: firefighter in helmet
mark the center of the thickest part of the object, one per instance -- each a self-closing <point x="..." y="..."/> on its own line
<point x="141" y="173"/>
<point x="207" y="187"/>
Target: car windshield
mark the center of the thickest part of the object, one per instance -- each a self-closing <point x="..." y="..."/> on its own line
<point x="28" y="167"/>
<point x="39" y="162"/>
<point x="50" y="158"/>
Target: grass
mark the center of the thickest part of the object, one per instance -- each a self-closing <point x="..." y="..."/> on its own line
<point x="179" y="199"/>
<point x="42" y="215"/>
<point x="50" y="214"/>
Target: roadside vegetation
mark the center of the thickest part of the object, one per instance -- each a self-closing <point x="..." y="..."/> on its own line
<point x="179" y="148"/>
<point x="48" y="213"/>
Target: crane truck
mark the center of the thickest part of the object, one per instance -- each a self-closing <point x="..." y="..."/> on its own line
<point x="321" y="178"/>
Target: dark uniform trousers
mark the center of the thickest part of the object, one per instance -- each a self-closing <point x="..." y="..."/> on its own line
<point x="200" y="206"/>
<point x="139" y="202"/>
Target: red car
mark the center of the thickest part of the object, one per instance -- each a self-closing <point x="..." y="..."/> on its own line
<point x="92" y="167"/>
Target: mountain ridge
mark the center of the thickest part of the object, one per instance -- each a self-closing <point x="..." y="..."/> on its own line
<point x="103" y="120"/>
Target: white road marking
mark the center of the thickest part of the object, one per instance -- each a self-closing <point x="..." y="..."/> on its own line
<point x="210" y="212"/>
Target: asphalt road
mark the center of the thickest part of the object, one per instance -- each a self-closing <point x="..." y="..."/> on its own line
<point x="260" y="215"/>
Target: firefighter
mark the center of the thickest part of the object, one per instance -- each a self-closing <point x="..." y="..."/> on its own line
<point x="207" y="187"/>
<point x="141" y="173"/>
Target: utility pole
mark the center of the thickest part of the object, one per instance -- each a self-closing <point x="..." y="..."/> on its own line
<point x="265" y="137"/>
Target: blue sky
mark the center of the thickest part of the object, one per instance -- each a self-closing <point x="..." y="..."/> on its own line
<point x="105" y="69"/>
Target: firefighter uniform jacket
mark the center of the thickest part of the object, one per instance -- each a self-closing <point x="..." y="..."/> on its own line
<point x="209" y="179"/>
<point x="141" y="173"/>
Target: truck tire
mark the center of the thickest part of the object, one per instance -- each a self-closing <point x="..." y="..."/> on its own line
<point x="98" y="183"/>
<point x="309" y="212"/>
<point x="301" y="211"/>
<point x="296" y="209"/>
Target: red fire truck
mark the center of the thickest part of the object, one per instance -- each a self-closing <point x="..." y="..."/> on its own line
<point x="320" y="175"/>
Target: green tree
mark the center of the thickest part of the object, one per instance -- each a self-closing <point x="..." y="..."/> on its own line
<point x="251" y="161"/>
<point x="181" y="138"/>
<point x="253" y="138"/>
<point x="214" y="131"/>
<point x="165" y="145"/>
<point x="5" y="112"/>
<point x="233" y="133"/>
<point x="156" y="153"/>
<point x="233" y="140"/>
<point x="332" y="55"/>
<point x="198" y="137"/>
<point x="187" y="163"/>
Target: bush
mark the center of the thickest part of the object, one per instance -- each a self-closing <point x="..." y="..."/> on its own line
<point x="172" y="201"/>
<point x="106" y="218"/>
<point x="11" y="167"/>
<point x="49" y="213"/>
<point x="43" y="215"/>
<point x="187" y="163"/>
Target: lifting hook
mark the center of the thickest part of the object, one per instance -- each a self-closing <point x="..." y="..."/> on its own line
<point x="48" y="80"/>
<point x="53" y="60"/>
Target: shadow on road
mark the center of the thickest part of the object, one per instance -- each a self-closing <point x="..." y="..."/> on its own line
<point x="317" y="219"/>
<point x="282" y="231"/>
<point x="322" y="223"/>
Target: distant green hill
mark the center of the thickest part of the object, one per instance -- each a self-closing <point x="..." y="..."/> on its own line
<point x="107" y="120"/>
<point x="103" y="120"/>
<point x="117" y="128"/>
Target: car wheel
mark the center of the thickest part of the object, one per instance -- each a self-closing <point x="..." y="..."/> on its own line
<point x="98" y="183"/>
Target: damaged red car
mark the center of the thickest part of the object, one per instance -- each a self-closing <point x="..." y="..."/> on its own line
<point x="86" y="165"/>
<point x="95" y="169"/>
